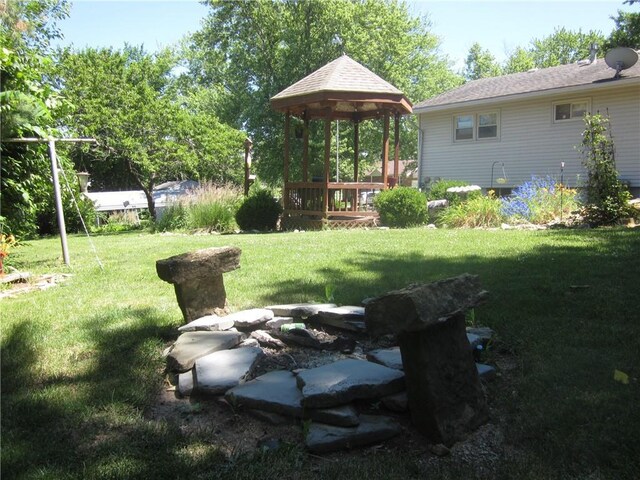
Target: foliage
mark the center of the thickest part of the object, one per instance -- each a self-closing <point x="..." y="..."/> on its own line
<point x="401" y="207"/>
<point x="438" y="190"/>
<point x="564" y="47"/>
<point x="7" y="243"/>
<point x="520" y="60"/>
<point x="250" y="51"/>
<point x="259" y="211"/>
<point x="147" y="133"/>
<point x="480" y="64"/>
<point x="607" y="197"/>
<point x="28" y="105"/>
<point x="477" y="211"/>
<point x="210" y="207"/>
<point x="626" y="32"/>
<point x="539" y="200"/>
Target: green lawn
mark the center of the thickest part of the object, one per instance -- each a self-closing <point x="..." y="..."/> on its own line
<point x="82" y="362"/>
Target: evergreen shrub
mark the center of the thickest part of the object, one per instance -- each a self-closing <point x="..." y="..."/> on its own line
<point x="259" y="211"/>
<point x="401" y="207"/>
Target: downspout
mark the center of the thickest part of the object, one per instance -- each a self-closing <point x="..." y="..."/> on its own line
<point x="420" y="138"/>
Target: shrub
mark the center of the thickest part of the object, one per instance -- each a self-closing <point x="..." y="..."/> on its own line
<point x="478" y="211"/>
<point x="539" y="200"/>
<point x="259" y="211"/>
<point x="607" y="197"/>
<point x="401" y="207"/>
<point x="438" y="190"/>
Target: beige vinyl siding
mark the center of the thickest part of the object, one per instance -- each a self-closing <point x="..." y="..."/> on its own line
<point x="529" y="141"/>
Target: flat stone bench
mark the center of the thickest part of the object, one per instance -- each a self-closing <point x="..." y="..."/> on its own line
<point x="197" y="279"/>
<point x="446" y="399"/>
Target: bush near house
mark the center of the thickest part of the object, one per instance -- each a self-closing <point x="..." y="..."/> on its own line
<point x="401" y="207"/>
<point x="438" y="191"/>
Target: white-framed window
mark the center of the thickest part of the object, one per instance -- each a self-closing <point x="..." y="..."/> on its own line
<point x="476" y="126"/>
<point x="570" y="110"/>
<point x="463" y="127"/>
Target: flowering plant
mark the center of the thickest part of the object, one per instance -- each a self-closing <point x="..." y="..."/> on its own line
<point x="7" y="242"/>
<point x="539" y="200"/>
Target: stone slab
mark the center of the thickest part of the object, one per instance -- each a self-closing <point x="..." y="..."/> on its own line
<point x="277" y="322"/>
<point x="212" y="323"/>
<point x="203" y="263"/>
<point x="274" y="392"/>
<point x="185" y="383"/>
<point x="485" y="372"/>
<point x="372" y="429"/>
<point x="267" y="340"/>
<point x="249" y="342"/>
<point x="392" y="358"/>
<point x="446" y="398"/>
<point x="277" y="392"/>
<point x="220" y="371"/>
<point x="342" y="416"/>
<point x="389" y="357"/>
<point x="252" y="318"/>
<point x="193" y="345"/>
<point x="299" y="309"/>
<point x="349" y="318"/>
<point x="341" y="382"/>
<point x="417" y="307"/>
<point x="485" y="333"/>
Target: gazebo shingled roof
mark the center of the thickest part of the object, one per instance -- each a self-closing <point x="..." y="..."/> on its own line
<point x="349" y="89"/>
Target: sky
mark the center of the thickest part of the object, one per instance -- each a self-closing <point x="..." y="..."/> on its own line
<point x="499" y="26"/>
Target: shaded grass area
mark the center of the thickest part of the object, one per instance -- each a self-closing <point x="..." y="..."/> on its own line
<point x="82" y="362"/>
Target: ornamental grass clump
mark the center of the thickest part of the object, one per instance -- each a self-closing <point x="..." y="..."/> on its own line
<point x="477" y="211"/>
<point x="539" y="200"/>
<point x="401" y="207"/>
<point x="210" y="207"/>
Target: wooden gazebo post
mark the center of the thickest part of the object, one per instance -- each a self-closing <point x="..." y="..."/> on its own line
<point x="327" y="166"/>
<point x="396" y="148"/>
<point x="356" y="148"/>
<point x="385" y="148"/>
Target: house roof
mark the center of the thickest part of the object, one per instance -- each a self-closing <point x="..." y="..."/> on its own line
<point x="345" y="85"/>
<point x="575" y="76"/>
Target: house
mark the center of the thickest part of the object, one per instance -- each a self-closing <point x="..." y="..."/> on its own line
<point x="135" y="200"/>
<point x="408" y="173"/>
<point x="512" y="127"/>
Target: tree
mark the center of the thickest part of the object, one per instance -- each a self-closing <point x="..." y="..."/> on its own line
<point x="520" y="60"/>
<point x="250" y="51"/>
<point x="627" y="31"/>
<point x="564" y="47"/>
<point x="480" y="64"/>
<point x="147" y="132"/>
<point x="28" y="105"/>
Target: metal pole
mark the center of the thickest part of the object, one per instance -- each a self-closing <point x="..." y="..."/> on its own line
<point x="56" y="183"/>
<point x="561" y="187"/>
<point x="58" y="197"/>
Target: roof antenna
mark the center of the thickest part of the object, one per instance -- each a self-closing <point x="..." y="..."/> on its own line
<point x="621" y="58"/>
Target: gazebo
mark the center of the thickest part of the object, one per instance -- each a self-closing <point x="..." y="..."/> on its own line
<point x="341" y="90"/>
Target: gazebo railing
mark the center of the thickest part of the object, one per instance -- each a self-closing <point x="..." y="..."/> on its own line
<point x="336" y="198"/>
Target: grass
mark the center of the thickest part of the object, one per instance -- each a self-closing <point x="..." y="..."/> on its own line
<point x="81" y="363"/>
